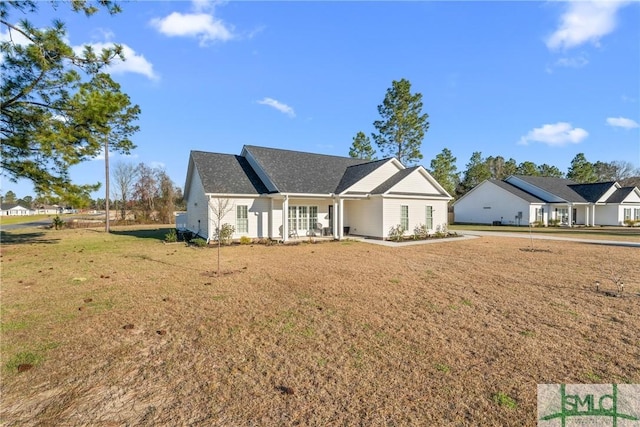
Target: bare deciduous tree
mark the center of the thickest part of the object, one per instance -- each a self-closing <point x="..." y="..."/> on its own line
<point x="124" y="176"/>
<point x="220" y="207"/>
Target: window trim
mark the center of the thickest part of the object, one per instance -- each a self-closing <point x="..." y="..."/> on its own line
<point x="242" y="222"/>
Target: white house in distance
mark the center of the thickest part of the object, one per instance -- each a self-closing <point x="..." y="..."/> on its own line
<point x="279" y="194"/>
<point x="14" y="209"/>
<point x="520" y="200"/>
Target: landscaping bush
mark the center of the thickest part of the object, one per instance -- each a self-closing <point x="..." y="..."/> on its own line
<point x="199" y="242"/>
<point x="396" y="232"/>
<point x="171" y="236"/>
<point x="245" y="240"/>
<point x="420" y="231"/>
<point x="225" y="234"/>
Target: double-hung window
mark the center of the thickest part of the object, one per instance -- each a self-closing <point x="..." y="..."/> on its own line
<point x="636" y="214"/>
<point x="404" y="217"/>
<point x="627" y="214"/>
<point x="242" y="219"/>
<point x="429" y="217"/>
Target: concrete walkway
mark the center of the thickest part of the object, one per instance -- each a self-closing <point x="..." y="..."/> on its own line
<point x="472" y="234"/>
<point x="634" y="244"/>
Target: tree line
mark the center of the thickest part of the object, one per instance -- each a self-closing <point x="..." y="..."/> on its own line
<point x="443" y="168"/>
<point x="140" y="193"/>
<point x="402" y="128"/>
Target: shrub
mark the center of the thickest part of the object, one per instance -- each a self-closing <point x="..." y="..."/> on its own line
<point x="199" y="242"/>
<point x="245" y="240"/>
<point x="630" y="222"/>
<point x="58" y="223"/>
<point x="420" y="231"/>
<point x="441" y="230"/>
<point x="554" y="222"/>
<point x="396" y="232"/>
<point x="225" y="233"/>
<point x="171" y="236"/>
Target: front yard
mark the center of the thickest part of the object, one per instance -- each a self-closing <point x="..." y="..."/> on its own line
<point x="122" y="329"/>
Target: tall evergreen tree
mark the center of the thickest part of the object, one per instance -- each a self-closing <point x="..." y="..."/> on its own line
<point x="581" y="170"/>
<point x="403" y="125"/>
<point x="527" y="169"/>
<point x="550" y="171"/>
<point x="444" y="170"/>
<point x="361" y="147"/>
<point x="55" y="102"/>
<point x="477" y="171"/>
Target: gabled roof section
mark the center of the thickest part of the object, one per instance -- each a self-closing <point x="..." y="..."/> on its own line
<point x="620" y="194"/>
<point x="355" y="173"/>
<point x="396" y="178"/>
<point x="516" y="191"/>
<point x="226" y="174"/>
<point x="592" y="192"/>
<point x="299" y="172"/>
<point x="9" y="206"/>
<point x="559" y="187"/>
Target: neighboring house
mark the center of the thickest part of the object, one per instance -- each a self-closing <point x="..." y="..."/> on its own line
<point x="14" y="209"/>
<point x="277" y="194"/>
<point x="520" y="200"/>
<point x="48" y="209"/>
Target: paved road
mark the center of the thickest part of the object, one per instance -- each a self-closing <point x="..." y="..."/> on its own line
<point x="40" y="223"/>
<point x="635" y="244"/>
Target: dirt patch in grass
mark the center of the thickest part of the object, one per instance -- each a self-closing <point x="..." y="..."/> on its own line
<point x="333" y="334"/>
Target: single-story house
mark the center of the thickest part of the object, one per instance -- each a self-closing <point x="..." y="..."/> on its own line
<point x="14" y="209"/>
<point x="521" y="200"/>
<point x="279" y="194"/>
<point x="48" y="209"/>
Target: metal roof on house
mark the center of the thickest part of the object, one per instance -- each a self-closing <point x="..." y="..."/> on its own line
<point x="226" y="174"/>
<point x="516" y="191"/>
<point x="355" y="173"/>
<point x="557" y="186"/>
<point x="299" y="172"/>
<point x="592" y="192"/>
<point x="620" y="194"/>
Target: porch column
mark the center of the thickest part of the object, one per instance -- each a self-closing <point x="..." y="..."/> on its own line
<point x="341" y="225"/>
<point x="334" y="220"/>
<point x="586" y="215"/>
<point x="285" y="219"/>
<point x="270" y="219"/>
<point x="570" y="215"/>
<point x="593" y="215"/>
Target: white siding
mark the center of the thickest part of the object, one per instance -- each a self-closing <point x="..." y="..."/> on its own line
<point x="197" y="207"/>
<point x="375" y="178"/>
<point x="417" y="213"/>
<point x="364" y="217"/>
<point x="488" y="202"/>
<point x="258" y="217"/>
<point x="608" y="193"/>
<point x="609" y="215"/>
<point x="415" y="183"/>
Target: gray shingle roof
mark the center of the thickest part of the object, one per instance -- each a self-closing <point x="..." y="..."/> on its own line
<point x="396" y="178"/>
<point x="592" y="192"/>
<point x="620" y="194"/>
<point x="226" y="173"/>
<point x="355" y="173"/>
<point x="516" y="191"/>
<point x="298" y="172"/>
<point x="557" y="186"/>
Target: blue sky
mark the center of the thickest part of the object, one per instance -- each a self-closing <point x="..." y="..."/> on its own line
<point x="537" y="81"/>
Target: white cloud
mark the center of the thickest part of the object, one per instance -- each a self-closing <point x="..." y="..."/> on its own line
<point x="585" y="21"/>
<point x="622" y="122"/>
<point x="555" y="135"/>
<point x="283" y="108"/>
<point x="133" y="63"/>
<point x="575" y="62"/>
<point x="157" y="165"/>
<point x="203" y="26"/>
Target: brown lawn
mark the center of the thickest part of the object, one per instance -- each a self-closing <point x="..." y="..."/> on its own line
<point x="121" y="329"/>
